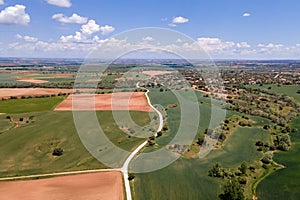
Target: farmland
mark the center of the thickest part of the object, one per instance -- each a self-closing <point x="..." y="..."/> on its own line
<point x="28" y="148"/>
<point x="254" y="125"/>
<point x="103" y="185"/>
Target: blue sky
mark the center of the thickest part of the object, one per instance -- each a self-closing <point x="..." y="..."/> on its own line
<point x="242" y="29"/>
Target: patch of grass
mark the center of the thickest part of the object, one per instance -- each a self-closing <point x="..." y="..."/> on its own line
<point x="284" y="184"/>
<point x="5" y="123"/>
<point x="29" y="105"/>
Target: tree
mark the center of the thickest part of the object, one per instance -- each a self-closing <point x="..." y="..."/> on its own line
<point x="57" y="152"/>
<point x="244" y="167"/>
<point x="216" y="171"/>
<point x="232" y="191"/>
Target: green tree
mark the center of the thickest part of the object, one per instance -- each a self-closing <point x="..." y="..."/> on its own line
<point x="244" y="167"/>
<point x="232" y="191"/>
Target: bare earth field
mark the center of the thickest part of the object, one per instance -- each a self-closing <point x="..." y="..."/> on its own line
<point x="18" y="92"/>
<point x="94" y="186"/>
<point x="155" y="73"/>
<point x="115" y="101"/>
<point x="31" y="80"/>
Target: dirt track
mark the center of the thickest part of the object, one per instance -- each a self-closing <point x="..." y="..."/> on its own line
<point x="94" y="186"/>
<point x="116" y="101"/>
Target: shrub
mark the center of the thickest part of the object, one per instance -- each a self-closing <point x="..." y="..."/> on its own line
<point x="57" y="152"/>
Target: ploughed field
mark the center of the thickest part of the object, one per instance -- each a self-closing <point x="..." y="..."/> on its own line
<point x="102" y="185"/>
<point x="114" y="101"/>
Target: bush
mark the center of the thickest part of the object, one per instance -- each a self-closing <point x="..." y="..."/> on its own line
<point x="57" y="152"/>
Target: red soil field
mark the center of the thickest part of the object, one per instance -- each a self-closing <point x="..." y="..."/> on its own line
<point x="115" y="101"/>
<point x="31" y="80"/>
<point x="18" y="92"/>
<point x="94" y="186"/>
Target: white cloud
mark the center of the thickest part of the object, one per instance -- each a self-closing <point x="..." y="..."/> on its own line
<point x="178" y="20"/>
<point x="106" y="29"/>
<point x="148" y="39"/>
<point x="60" y="3"/>
<point x="14" y="15"/>
<point x="74" y="19"/>
<point x="1" y="2"/>
<point x="27" y="38"/>
<point x="90" y="28"/>
<point x="246" y="15"/>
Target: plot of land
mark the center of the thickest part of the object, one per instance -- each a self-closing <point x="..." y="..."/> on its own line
<point x="31" y="80"/>
<point x="115" y="101"/>
<point x="18" y="92"/>
<point x="103" y="185"/>
<point x="155" y="73"/>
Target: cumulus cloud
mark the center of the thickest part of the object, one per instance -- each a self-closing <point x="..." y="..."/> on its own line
<point x="246" y="15"/>
<point x="74" y="19"/>
<point x="105" y="30"/>
<point x="14" y="15"/>
<point x="27" y="38"/>
<point x="60" y="3"/>
<point x="1" y="2"/>
<point x="90" y="28"/>
<point x="178" y="20"/>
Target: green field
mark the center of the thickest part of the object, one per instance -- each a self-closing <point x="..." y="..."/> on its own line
<point x="289" y="90"/>
<point x="29" y="105"/>
<point x="27" y="150"/>
<point x="188" y="178"/>
<point x="285" y="183"/>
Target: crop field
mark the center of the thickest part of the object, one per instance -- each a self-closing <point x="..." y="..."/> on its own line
<point x="29" y="105"/>
<point x="284" y="184"/>
<point x="27" y="149"/>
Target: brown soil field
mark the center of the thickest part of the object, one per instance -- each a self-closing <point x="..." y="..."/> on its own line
<point x="115" y="101"/>
<point x="94" y="186"/>
<point x="18" y="92"/>
<point x="31" y="80"/>
<point x="155" y="73"/>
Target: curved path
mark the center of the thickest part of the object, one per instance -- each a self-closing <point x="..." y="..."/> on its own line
<point x="125" y="167"/>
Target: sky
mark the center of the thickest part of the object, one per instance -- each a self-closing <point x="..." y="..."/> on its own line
<point x="225" y="29"/>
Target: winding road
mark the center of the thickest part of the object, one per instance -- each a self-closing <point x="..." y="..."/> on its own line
<point x="125" y="167"/>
